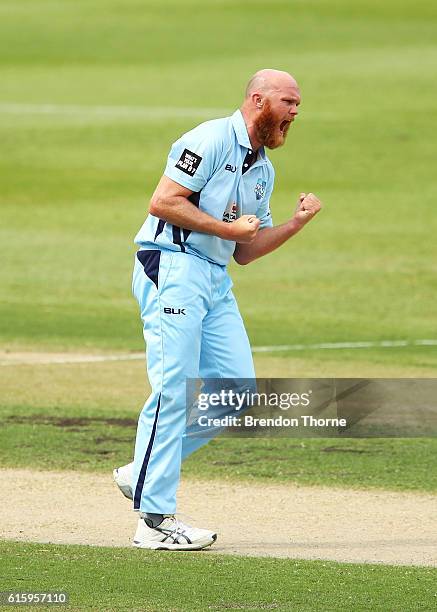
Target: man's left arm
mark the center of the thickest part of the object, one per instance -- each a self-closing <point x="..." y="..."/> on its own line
<point x="270" y="238"/>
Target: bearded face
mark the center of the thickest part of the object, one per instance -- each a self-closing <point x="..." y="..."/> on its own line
<point x="271" y="129"/>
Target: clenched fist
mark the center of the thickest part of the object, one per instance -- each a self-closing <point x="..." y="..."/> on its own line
<point x="243" y="230"/>
<point x="307" y="207"/>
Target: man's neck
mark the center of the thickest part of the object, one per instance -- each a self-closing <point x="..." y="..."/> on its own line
<point x="249" y="120"/>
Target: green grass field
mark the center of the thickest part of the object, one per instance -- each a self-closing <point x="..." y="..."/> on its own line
<point x="75" y="183"/>
<point x="92" y="96"/>
<point x="155" y="581"/>
<point x="44" y="425"/>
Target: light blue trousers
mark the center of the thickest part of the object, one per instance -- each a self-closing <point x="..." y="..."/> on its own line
<point x="193" y="329"/>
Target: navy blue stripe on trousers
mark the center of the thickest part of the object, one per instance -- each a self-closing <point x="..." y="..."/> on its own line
<point x="142" y="476"/>
<point x="150" y="262"/>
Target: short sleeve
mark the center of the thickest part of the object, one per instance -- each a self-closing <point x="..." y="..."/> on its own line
<point x="193" y="159"/>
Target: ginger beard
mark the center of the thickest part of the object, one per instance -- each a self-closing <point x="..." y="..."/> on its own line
<point x="268" y="128"/>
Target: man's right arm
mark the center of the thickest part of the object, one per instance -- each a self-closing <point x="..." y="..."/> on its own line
<point x="170" y="203"/>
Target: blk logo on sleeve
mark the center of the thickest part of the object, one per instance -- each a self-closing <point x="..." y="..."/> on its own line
<point x="188" y="162"/>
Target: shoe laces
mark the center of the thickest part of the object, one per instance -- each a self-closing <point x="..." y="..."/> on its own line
<point x="178" y="523"/>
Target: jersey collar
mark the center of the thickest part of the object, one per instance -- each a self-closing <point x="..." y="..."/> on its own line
<point x="240" y="129"/>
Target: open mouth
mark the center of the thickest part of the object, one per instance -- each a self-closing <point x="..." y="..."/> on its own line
<point x="284" y="126"/>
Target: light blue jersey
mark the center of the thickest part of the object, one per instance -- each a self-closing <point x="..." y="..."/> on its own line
<point x="215" y="161"/>
<point x="191" y="322"/>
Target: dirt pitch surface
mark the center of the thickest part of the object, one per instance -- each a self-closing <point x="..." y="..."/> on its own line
<point x="250" y="519"/>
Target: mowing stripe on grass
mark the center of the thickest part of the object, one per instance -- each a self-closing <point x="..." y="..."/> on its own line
<point x="146" y="112"/>
<point x="135" y="112"/>
<point x="49" y="359"/>
<point x="343" y="345"/>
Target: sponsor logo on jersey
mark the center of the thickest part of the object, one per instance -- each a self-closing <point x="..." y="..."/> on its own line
<point x="260" y="189"/>
<point x="230" y="213"/>
<point x="175" y="311"/>
<point x="188" y="162"/>
<point x="231" y="168"/>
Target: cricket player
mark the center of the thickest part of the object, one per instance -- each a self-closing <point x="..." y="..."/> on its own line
<point x="212" y="203"/>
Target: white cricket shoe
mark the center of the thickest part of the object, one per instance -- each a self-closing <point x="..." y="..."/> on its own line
<point x="172" y="534"/>
<point x="123" y="479"/>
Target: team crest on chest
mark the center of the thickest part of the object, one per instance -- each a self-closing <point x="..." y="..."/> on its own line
<point x="260" y="189"/>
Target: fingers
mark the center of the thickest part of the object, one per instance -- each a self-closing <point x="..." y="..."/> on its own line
<point x="248" y="226"/>
<point x="254" y="222"/>
<point x="311" y="204"/>
<point x="311" y="197"/>
<point x="307" y="207"/>
<point x="248" y="217"/>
